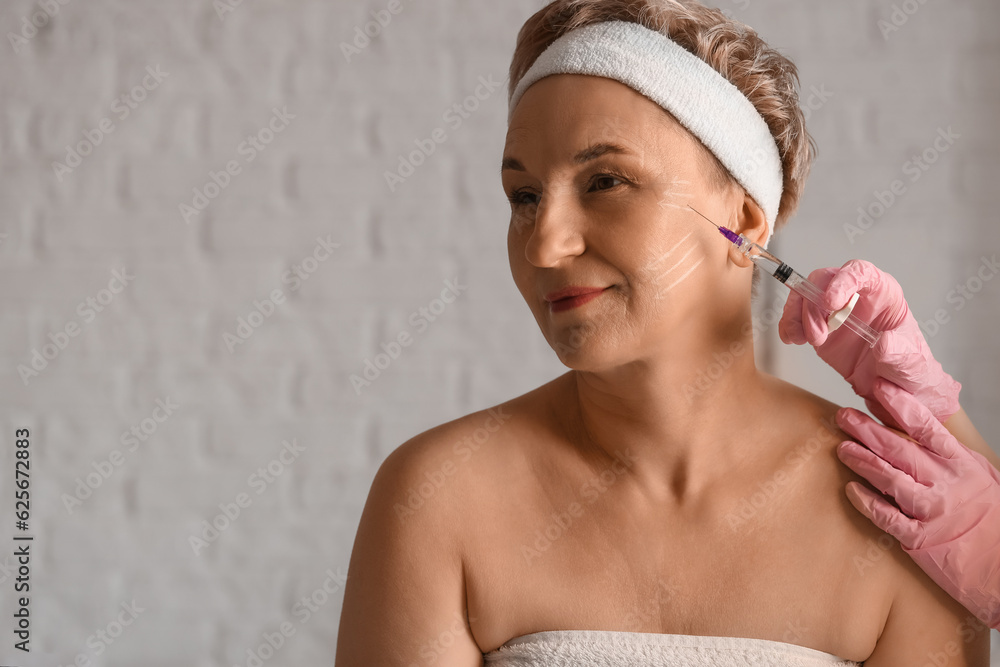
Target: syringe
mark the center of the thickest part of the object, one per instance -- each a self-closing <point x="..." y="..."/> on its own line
<point x="773" y="266"/>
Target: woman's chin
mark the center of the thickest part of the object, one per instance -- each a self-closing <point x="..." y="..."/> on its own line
<point x="589" y="356"/>
<point x="584" y="364"/>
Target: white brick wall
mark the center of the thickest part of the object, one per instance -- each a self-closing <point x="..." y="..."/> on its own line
<point x="323" y="175"/>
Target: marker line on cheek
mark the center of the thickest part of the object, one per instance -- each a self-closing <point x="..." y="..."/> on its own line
<point x="652" y="265"/>
<point x="685" y="256"/>
<point x="679" y="243"/>
<point x="674" y="191"/>
<point x="676" y="264"/>
<point x="686" y="274"/>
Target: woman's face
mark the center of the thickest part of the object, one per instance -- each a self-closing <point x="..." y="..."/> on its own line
<point x="586" y="214"/>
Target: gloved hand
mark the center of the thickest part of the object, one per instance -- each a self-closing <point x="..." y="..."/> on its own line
<point x="948" y="497"/>
<point x="901" y="354"/>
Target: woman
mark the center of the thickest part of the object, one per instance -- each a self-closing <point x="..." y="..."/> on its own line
<point x="664" y="500"/>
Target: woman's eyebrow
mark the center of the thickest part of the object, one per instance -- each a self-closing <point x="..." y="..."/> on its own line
<point x="586" y="155"/>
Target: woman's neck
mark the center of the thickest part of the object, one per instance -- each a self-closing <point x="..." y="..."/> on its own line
<point x="685" y="418"/>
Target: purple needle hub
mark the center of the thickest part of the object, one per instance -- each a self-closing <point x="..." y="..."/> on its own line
<point x="732" y="236"/>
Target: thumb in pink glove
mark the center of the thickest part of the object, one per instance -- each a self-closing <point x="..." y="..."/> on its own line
<point x="948" y="497"/>
<point x="901" y="354"/>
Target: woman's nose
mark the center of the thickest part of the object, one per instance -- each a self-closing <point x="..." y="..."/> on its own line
<point x="556" y="233"/>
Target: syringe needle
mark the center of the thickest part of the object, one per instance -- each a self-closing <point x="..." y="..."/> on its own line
<point x="693" y="209"/>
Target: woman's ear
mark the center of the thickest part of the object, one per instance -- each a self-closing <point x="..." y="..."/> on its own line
<point x="751" y="223"/>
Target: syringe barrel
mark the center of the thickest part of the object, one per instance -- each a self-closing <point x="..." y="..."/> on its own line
<point x="795" y="281"/>
<point x="814" y="294"/>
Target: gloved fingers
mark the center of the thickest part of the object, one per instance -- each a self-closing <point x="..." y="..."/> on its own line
<point x="919" y="422"/>
<point x="883" y="514"/>
<point x="948" y="391"/>
<point x="790" y="325"/>
<point x="821" y="278"/>
<point x="855" y="275"/>
<point x="890" y="481"/>
<point x="884" y="445"/>
<point x="881" y="292"/>
<point x="814" y="325"/>
<point x="882" y="414"/>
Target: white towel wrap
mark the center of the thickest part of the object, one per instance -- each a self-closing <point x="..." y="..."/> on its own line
<point x="701" y="99"/>
<point x="601" y="648"/>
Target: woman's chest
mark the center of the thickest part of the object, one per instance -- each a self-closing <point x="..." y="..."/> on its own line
<point x="569" y="563"/>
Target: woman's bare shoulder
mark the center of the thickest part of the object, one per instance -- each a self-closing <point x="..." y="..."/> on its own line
<point x="473" y="430"/>
<point x="448" y="463"/>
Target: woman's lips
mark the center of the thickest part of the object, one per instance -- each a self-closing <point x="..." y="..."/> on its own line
<point x="574" y="301"/>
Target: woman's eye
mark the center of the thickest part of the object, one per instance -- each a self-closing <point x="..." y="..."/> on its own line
<point x="605" y="178"/>
<point x="517" y="198"/>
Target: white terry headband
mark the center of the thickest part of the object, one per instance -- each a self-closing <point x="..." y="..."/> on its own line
<point x="701" y="99"/>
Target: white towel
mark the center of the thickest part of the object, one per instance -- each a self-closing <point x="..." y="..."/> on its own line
<point x="604" y="648"/>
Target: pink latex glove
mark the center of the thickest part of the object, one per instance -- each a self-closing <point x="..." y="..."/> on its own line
<point x="901" y="354"/>
<point x="948" y="497"/>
